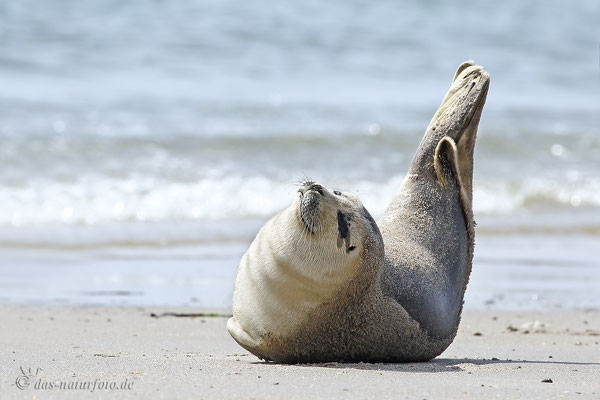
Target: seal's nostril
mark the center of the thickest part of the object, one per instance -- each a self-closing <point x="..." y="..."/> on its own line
<point x="317" y="188"/>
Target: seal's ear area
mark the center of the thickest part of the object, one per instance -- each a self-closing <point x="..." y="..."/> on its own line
<point x="462" y="67"/>
<point x="445" y="161"/>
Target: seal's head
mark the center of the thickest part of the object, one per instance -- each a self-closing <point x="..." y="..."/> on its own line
<point x="333" y="219"/>
<point x="324" y="242"/>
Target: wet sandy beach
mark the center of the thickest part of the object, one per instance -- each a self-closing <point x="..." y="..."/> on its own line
<point x="497" y="354"/>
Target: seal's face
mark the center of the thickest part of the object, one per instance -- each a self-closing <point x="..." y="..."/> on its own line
<point x="334" y="218"/>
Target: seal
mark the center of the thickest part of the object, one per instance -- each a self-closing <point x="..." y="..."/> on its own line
<point x="322" y="281"/>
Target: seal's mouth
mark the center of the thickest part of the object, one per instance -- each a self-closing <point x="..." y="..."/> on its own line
<point x="310" y="205"/>
<point x="309" y="228"/>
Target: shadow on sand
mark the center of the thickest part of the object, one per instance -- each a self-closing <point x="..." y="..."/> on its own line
<point x="436" y="365"/>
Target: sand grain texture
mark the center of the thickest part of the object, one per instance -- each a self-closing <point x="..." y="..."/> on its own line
<point x="495" y="355"/>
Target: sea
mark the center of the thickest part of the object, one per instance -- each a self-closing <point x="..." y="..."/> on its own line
<point x="144" y="143"/>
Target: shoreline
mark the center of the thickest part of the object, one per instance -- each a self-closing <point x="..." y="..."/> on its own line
<point x="519" y="272"/>
<point x="503" y="354"/>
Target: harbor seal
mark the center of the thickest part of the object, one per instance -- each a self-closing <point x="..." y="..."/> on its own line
<point x="322" y="281"/>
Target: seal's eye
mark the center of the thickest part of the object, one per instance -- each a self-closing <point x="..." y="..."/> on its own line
<point x="337" y="192"/>
<point x="351" y="248"/>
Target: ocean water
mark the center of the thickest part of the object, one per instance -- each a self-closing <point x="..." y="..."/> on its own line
<point x="143" y="144"/>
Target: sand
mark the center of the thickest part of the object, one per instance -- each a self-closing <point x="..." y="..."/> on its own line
<point x="497" y="354"/>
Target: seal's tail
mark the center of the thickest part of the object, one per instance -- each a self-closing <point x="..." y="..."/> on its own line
<point x="431" y="218"/>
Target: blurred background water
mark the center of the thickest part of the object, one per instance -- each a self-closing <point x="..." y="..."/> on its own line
<point x="143" y="144"/>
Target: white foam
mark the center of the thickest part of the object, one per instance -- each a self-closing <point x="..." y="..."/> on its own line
<point x="92" y="200"/>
